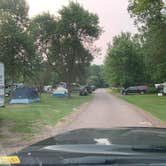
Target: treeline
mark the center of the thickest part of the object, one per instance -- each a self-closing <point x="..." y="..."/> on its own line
<point x="95" y="76"/>
<point x="46" y="48"/>
<point x="141" y="58"/>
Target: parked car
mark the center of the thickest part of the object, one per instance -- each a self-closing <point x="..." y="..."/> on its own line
<point x="89" y="89"/>
<point x="62" y="84"/>
<point x="47" y="88"/>
<point x="75" y="87"/>
<point x="93" y="87"/>
<point x="83" y="91"/>
<point x="135" y="90"/>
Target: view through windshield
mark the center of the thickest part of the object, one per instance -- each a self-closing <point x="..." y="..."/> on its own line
<point x="82" y="77"/>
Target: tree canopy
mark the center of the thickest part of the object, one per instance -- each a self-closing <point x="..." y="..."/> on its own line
<point x="63" y="43"/>
<point x="17" y="51"/>
<point x="139" y="59"/>
<point x="76" y="28"/>
<point x="150" y="16"/>
<point x="123" y="64"/>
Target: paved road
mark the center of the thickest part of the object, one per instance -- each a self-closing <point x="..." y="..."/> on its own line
<point x="107" y="111"/>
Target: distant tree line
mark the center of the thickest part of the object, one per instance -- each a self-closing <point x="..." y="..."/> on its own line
<point x="46" y="48"/>
<point x="95" y="76"/>
<point x="139" y="59"/>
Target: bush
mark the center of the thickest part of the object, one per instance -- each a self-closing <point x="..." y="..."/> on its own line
<point x="152" y="90"/>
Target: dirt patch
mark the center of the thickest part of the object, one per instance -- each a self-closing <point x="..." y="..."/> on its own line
<point x="7" y="138"/>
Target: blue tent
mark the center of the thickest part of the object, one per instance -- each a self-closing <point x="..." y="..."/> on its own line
<point x="24" y="95"/>
<point x="60" y="92"/>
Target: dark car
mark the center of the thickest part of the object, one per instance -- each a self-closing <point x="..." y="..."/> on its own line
<point x="135" y="90"/>
<point x="114" y="147"/>
<point x="83" y="91"/>
<point x="93" y="87"/>
<point x="89" y="89"/>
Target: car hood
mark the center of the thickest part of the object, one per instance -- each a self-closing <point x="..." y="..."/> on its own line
<point x="82" y="143"/>
<point x="118" y="136"/>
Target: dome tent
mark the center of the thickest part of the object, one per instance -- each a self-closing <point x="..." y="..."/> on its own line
<point x="60" y="92"/>
<point x="24" y="95"/>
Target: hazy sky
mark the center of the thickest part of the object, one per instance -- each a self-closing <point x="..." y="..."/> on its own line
<point x="113" y="16"/>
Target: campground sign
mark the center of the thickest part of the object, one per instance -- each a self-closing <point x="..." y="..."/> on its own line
<point x="2" y="85"/>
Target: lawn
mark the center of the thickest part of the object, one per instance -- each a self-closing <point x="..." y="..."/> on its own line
<point x="28" y="118"/>
<point x="152" y="103"/>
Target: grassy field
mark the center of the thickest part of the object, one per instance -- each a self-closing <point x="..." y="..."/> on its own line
<point x="28" y="118"/>
<point x="152" y="103"/>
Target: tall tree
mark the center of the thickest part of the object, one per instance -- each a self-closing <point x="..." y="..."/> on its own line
<point x="76" y="29"/>
<point x="123" y="64"/>
<point x="42" y="30"/>
<point x="150" y="16"/>
<point x="16" y="48"/>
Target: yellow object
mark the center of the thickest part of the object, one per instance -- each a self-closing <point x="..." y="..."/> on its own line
<point x="9" y="160"/>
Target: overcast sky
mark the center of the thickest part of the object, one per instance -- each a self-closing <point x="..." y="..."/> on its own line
<point x="113" y="16"/>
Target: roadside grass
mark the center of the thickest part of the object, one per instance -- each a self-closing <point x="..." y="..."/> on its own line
<point x="156" y="105"/>
<point x="29" y="118"/>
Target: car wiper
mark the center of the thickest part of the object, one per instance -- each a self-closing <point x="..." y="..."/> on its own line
<point x="91" y="149"/>
<point x="90" y="154"/>
<point x="95" y="160"/>
<point x="113" y="160"/>
<point x="150" y="149"/>
<point x="123" y="150"/>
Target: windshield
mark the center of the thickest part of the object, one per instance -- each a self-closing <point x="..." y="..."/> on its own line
<point x="82" y="64"/>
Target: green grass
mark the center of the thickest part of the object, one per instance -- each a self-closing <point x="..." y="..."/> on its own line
<point x="29" y="118"/>
<point x="152" y="103"/>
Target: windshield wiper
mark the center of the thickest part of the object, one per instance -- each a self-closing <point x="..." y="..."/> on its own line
<point x="150" y="149"/>
<point x="114" y="160"/>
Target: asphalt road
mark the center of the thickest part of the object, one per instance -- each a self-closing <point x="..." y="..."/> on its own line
<point x="107" y="111"/>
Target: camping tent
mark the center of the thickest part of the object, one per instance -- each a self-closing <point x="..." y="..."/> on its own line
<point x="60" y="92"/>
<point x="24" y="95"/>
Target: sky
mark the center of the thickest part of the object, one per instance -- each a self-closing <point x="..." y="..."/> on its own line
<point x="113" y="17"/>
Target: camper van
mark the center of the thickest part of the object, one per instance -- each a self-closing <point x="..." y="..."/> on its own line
<point x="161" y="89"/>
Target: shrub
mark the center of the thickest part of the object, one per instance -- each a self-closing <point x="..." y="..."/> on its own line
<point x="152" y="90"/>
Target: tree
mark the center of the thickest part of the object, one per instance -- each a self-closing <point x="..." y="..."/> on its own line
<point x="44" y="76"/>
<point x="42" y="30"/>
<point x="16" y="48"/>
<point x="150" y="16"/>
<point x="123" y="64"/>
<point x="76" y="29"/>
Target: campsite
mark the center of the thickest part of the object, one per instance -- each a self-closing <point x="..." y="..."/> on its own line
<point x="81" y="66"/>
<point x="26" y="120"/>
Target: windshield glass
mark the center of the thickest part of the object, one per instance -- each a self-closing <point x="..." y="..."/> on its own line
<point x="95" y="67"/>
